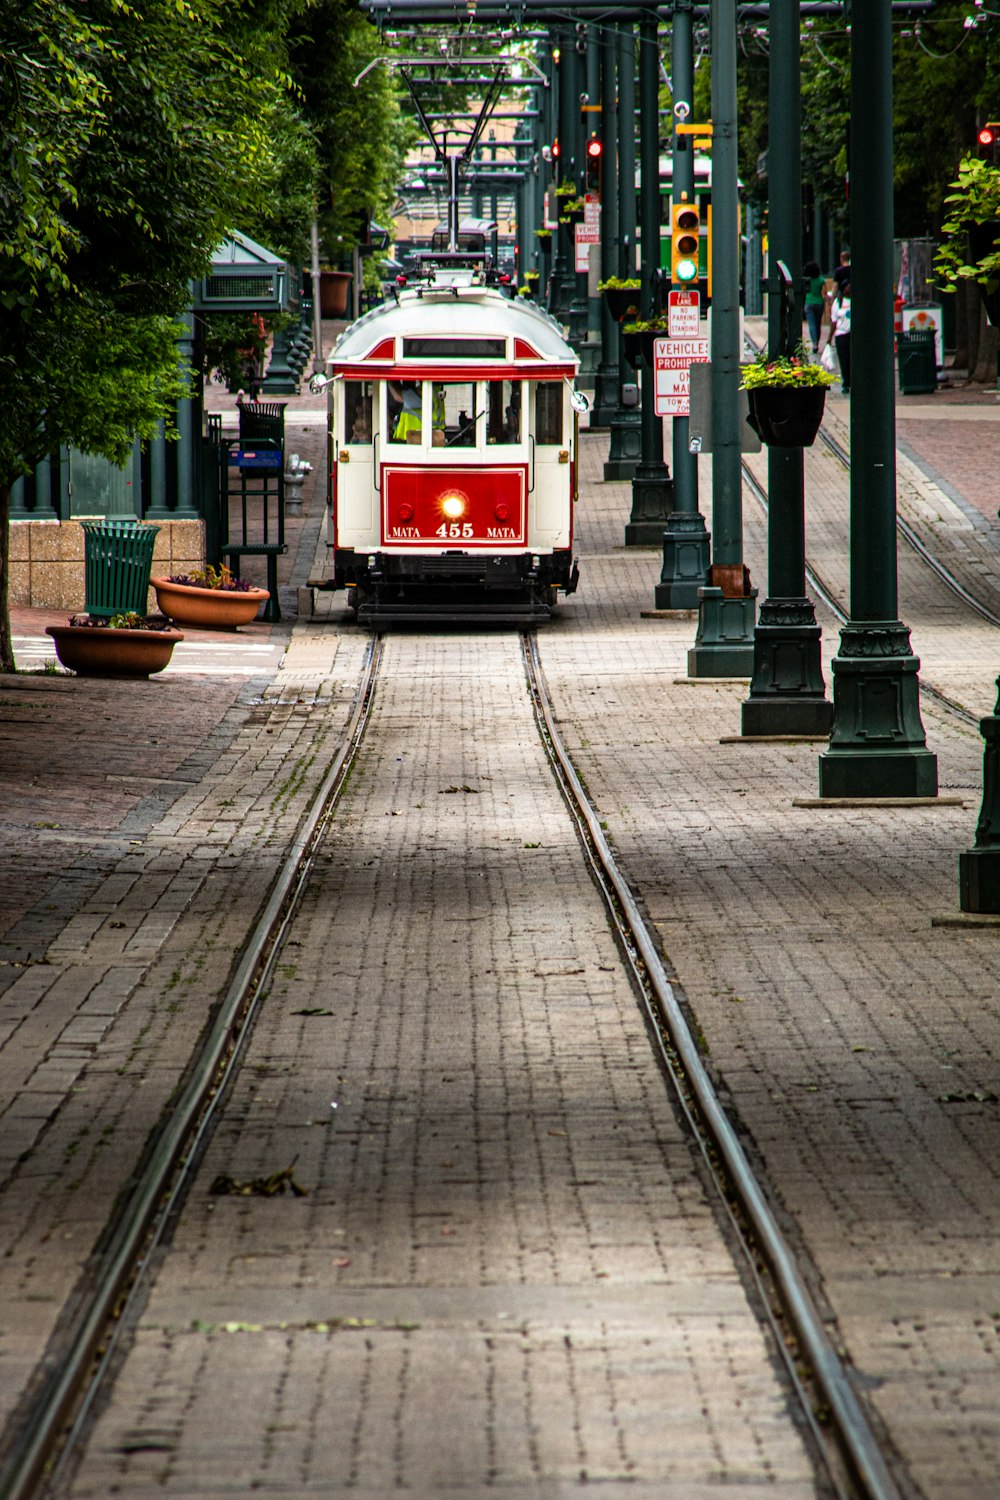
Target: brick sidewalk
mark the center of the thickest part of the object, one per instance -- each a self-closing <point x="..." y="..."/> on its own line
<point x="856" y="1041"/>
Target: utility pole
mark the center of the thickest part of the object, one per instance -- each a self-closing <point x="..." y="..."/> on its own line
<point x="685" y="538"/>
<point x="787" y="694"/>
<point x="724" y="641"/>
<point x="878" y="747"/>
<point x="652" y="490"/>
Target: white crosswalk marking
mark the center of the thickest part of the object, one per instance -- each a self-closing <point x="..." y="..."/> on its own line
<point x="190" y="658"/>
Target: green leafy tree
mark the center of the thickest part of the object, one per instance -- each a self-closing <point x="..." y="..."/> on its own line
<point x="360" y="134"/>
<point x="131" y="142"/>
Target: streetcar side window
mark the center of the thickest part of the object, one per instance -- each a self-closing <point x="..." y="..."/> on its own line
<point x="503" y="424"/>
<point x="358" y="411"/>
<point x="549" y="413"/>
<point x="405" y="401"/>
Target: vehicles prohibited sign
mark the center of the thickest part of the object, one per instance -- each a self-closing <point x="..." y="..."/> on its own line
<point x="672" y="361"/>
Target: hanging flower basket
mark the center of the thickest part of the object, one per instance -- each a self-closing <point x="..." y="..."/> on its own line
<point x="786" y="417"/>
<point x="786" y="396"/>
<point x="622" y="301"/>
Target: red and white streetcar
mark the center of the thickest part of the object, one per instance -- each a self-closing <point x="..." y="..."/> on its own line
<point x="453" y="452"/>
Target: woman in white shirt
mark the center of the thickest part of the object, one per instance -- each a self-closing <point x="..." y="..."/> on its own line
<point x="840" y="319"/>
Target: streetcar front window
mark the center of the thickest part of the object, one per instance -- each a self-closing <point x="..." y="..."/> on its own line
<point x="405" y="403"/>
<point x="549" y="413"/>
<point x="458" y="413"/>
<point x="504" y="406"/>
<point x="358" y="411"/>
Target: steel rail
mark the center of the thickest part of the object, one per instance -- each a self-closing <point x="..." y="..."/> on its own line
<point x="856" y="1441"/>
<point x="909" y="534"/>
<point x="145" y="1211"/>
<point x="823" y="591"/>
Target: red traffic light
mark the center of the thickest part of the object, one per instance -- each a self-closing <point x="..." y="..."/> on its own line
<point x="594" y="148"/>
<point x="987" y="136"/>
<point x="555" y="150"/>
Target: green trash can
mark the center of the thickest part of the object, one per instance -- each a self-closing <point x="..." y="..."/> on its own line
<point x="119" y="559"/>
<point x="917" y="362"/>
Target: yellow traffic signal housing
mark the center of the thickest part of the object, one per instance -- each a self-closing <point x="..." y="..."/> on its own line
<point x="685" y="242"/>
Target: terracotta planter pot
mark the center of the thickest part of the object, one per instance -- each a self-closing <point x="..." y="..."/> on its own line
<point x="211" y="609"/>
<point x="99" y="651"/>
<point x="333" y="287"/>
<point x="783" y="417"/>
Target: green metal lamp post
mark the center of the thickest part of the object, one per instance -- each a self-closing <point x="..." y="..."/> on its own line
<point x="625" y="447"/>
<point x="606" y="380"/>
<point x="877" y="748"/>
<point x="652" y="489"/>
<point x="979" y="867"/>
<point x="685" y="537"/>
<point x="787" y="693"/>
<point x="563" y="37"/>
<point x="724" y="641"/>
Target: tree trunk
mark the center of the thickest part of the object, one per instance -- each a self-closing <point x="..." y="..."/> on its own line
<point x="6" y="643"/>
<point x="985" y="368"/>
<point x="962" y="329"/>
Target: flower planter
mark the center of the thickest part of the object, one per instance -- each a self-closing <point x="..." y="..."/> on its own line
<point x="333" y="287"/>
<point x="783" y="417"/>
<point x="209" y="609"/>
<point x="101" y="651"/>
<point x="622" y="301"/>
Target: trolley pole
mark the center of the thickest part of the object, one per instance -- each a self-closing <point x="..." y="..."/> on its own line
<point x="685" y="537"/>
<point x="652" y="489"/>
<point x="606" y="386"/>
<point x="724" y="641"/>
<point x="877" y="748"/>
<point x="625" y="447"/>
<point x="787" y="694"/>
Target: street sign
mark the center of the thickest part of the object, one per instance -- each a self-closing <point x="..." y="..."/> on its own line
<point x="672" y="361"/>
<point x="586" y="234"/>
<point x="683" y="315"/>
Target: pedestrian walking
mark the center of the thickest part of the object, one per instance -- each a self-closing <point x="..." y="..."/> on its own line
<point x="840" y="318"/>
<point x="815" y="301"/>
<point x="842" y="274"/>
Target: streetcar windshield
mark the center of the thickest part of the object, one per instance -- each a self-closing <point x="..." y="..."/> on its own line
<point x="462" y="413"/>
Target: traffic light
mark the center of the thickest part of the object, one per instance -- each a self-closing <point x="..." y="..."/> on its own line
<point x="685" y="242"/>
<point x="988" y="139"/>
<point x="595" y="151"/>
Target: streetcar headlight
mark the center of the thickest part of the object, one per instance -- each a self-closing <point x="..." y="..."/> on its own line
<point x="453" y="505"/>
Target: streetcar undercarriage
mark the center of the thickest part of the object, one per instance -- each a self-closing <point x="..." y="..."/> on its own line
<point x="454" y="586"/>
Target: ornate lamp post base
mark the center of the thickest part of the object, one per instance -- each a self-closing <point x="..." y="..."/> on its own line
<point x="877" y="748"/>
<point x="686" y="556"/>
<point x="626" y="445"/>
<point x="652" y="504"/>
<point x="979" y="868"/>
<point x="605" y="395"/>
<point x="787" y="692"/>
<point x="723" y="644"/>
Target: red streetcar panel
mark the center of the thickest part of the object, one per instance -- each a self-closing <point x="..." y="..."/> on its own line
<point x="454" y="508"/>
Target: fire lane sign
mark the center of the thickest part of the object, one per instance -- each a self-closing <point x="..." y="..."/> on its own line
<point x="672" y="361"/>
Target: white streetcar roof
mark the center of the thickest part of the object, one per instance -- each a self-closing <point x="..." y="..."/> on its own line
<point x="443" y="311"/>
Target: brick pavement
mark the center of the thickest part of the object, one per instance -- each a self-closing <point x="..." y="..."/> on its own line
<point x="506" y="1277"/>
<point x="857" y="1042"/>
<point x="788" y="985"/>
